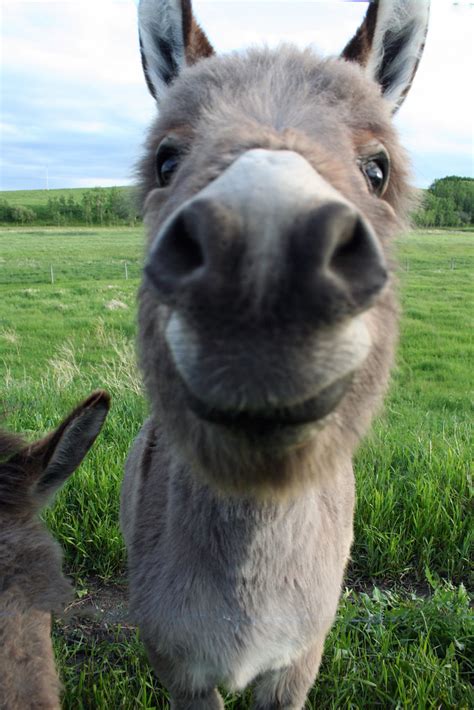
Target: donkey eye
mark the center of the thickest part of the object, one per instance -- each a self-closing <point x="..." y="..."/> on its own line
<point x="167" y="161"/>
<point x="376" y="170"/>
<point x="375" y="175"/>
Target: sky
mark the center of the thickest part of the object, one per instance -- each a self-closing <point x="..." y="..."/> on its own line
<point x="74" y="107"/>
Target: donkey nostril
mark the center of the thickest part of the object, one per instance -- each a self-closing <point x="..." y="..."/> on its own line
<point x="340" y="264"/>
<point x="357" y="246"/>
<point x="358" y="259"/>
<point x="177" y="255"/>
<point x="180" y="251"/>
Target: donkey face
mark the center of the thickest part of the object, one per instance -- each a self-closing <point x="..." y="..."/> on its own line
<point x="272" y="184"/>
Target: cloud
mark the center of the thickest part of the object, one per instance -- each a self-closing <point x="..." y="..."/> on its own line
<point x="74" y="101"/>
<point x="81" y="41"/>
<point x="233" y="24"/>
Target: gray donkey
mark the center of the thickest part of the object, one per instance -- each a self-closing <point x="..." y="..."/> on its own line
<point x="31" y="582"/>
<point x="272" y="186"/>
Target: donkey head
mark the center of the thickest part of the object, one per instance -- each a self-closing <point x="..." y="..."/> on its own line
<point x="31" y="474"/>
<point x="272" y="184"/>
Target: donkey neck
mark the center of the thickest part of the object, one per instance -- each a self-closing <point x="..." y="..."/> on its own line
<point x="30" y="561"/>
<point x="236" y="527"/>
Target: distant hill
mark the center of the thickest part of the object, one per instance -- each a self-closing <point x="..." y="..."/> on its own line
<point x="84" y="205"/>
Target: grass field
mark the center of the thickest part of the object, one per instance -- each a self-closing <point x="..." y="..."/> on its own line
<point x="403" y="637"/>
<point x="39" y="198"/>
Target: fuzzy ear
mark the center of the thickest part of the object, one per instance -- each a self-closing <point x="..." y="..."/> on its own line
<point x="170" y="38"/>
<point x="389" y="44"/>
<point x="58" y="455"/>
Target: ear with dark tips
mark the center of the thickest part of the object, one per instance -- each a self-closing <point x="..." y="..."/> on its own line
<point x="389" y="44"/>
<point x="170" y="38"/>
<point x="61" y="452"/>
<point x="358" y="49"/>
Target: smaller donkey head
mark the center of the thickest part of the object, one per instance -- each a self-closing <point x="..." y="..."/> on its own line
<point x="30" y="474"/>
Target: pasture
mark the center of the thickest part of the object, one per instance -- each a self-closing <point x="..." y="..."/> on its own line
<point x="39" y="198"/>
<point x="403" y="636"/>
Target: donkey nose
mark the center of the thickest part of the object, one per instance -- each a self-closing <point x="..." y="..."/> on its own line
<point x="272" y="232"/>
<point x="335" y="254"/>
<point x="328" y="255"/>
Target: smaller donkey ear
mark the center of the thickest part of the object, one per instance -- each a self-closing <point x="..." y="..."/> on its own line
<point x="58" y="455"/>
<point x="389" y="44"/>
<point x="170" y="38"/>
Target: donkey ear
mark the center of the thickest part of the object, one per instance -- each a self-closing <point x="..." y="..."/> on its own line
<point x="170" y="38"/>
<point x="389" y="44"/>
<point x="58" y="455"/>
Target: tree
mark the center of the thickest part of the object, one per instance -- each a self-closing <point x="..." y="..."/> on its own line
<point x="6" y="211"/>
<point x="23" y="215"/>
<point x="448" y="202"/>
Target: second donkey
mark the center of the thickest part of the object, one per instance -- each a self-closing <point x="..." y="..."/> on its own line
<point x="31" y="581"/>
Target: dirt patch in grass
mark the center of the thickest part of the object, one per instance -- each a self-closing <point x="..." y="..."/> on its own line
<point x="100" y="614"/>
<point x="406" y="586"/>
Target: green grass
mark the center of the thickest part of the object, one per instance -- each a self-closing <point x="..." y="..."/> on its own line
<point x="36" y="198"/>
<point x="412" y="527"/>
<point x="76" y="255"/>
<point x="386" y="650"/>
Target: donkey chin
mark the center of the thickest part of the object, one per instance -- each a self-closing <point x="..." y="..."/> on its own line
<point x="255" y="413"/>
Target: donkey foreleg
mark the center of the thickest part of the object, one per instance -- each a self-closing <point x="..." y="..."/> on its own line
<point x="287" y="688"/>
<point x="183" y="695"/>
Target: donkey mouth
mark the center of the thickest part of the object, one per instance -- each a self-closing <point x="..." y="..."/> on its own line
<point x="269" y="421"/>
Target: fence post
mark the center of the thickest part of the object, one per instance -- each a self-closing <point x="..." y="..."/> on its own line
<point x="126" y="271"/>
<point x="52" y="273"/>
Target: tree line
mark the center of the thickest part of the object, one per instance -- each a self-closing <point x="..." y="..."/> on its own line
<point x="448" y="202"/>
<point x="98" y="206"/>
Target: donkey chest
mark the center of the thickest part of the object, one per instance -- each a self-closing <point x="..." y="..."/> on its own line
<point x="230" y="637"/>
<point x="242" y="650"/>
<point x="229" y="623"/>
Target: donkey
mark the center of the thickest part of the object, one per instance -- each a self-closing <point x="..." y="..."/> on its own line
<point x="31" y="582"/>
<point x="272" y="186"/>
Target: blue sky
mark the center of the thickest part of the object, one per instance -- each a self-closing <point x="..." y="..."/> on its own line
<point x="74" y="106"/>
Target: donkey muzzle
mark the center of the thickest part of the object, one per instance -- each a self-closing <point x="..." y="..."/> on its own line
<point x="266" y="272"/>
